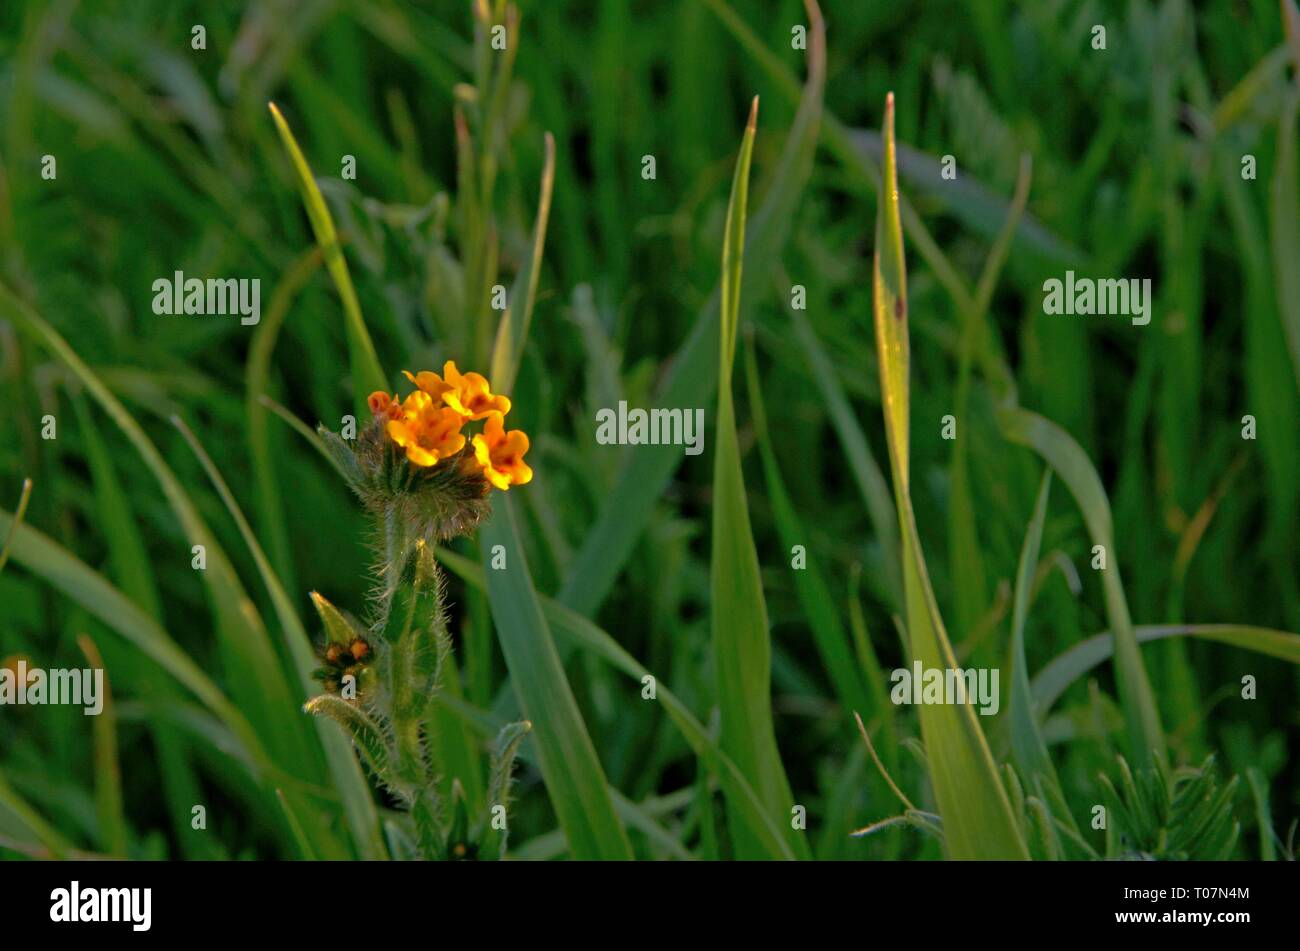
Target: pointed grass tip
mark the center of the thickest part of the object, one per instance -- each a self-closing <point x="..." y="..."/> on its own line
<point x="753" y="115"/>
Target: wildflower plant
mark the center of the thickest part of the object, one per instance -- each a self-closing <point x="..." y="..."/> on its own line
<point x="424" y="479"/>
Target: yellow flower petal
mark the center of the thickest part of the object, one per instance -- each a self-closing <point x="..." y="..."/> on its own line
<point x="420" y="456"/>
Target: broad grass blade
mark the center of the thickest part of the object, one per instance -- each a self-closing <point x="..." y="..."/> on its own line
<point x="46" y="559"/>
<point x="572" y="772"/>
<point x="581" y="632"/>
<point x="977" y="818"/>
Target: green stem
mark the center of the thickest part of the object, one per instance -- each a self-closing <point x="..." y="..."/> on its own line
<point x="410" y="604"/>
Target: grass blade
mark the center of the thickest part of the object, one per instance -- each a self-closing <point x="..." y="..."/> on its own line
<point x="258" y="684"/>
<point x="579" y="631"/>
<point x="367" y="376"/>
<point x="970" y="591"/>
<point x="353" y="789"/>
<point x="270" y="511"/>
<point x="1064" y="455"/>
<point x="814" y="594"/>
<point x="108" y="772"/>
<point x="977" y="818"/>
<point x="1027" y="744"/>
<point x="1284" y="222"/>
<point x="46" y="559"/>
<point x="862" y="463"/>
<point x="1054" y="679"/>
<point x="133" y="572"/>
<point x="742" y="650"/>
<point x="19" y="513"/>
<point x="1259" y="793"/>
<point x="28" y="817"/>
<point x="512" y="332"/>
<point x="648" y="469"/>
<point x="572" y="772"/>
<point x="305" y="851"/>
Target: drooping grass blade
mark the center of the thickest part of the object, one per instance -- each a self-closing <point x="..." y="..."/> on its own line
<point x="1065" y="455"/>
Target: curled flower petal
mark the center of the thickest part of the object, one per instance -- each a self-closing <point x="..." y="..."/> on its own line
<point x="428" y="382"/>
<point x="420" y="456"/>
<point x="470" y="394"/>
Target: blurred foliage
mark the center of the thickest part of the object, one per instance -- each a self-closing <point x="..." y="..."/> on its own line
<point x="168" y="160"/>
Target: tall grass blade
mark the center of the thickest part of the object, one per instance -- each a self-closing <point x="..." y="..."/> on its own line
<point x="1263" y="819"/>
<point x="31" y="820"/>
<point x="134" y="573"/>
<point x="512" y="332"/>
<point x="814" y="594"/>
<point x="1284" y="222"/>
<point x="367" y="376"/>
<point x="742" y="650"/>
<point x="862" y="463"/>
<point x="580" y="632"/>
<point x="270" y="511"/>
<point x="572" y="772"/>
<point x="977" y="818"/>
<point x="630" y="504"/>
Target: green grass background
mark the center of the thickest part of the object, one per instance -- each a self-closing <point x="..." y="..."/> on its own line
<point x="168" y="160"/>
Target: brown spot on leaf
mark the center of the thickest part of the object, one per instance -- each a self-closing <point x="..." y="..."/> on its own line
<point x="899" y="309"/>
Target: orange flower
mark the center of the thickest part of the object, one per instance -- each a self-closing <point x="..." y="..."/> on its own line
<point x="470" y="394"/>
<point x="426" y="431"/>
<point x="501" y="454"/>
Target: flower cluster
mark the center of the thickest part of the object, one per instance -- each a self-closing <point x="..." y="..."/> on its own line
<point x="428" y="424"/>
